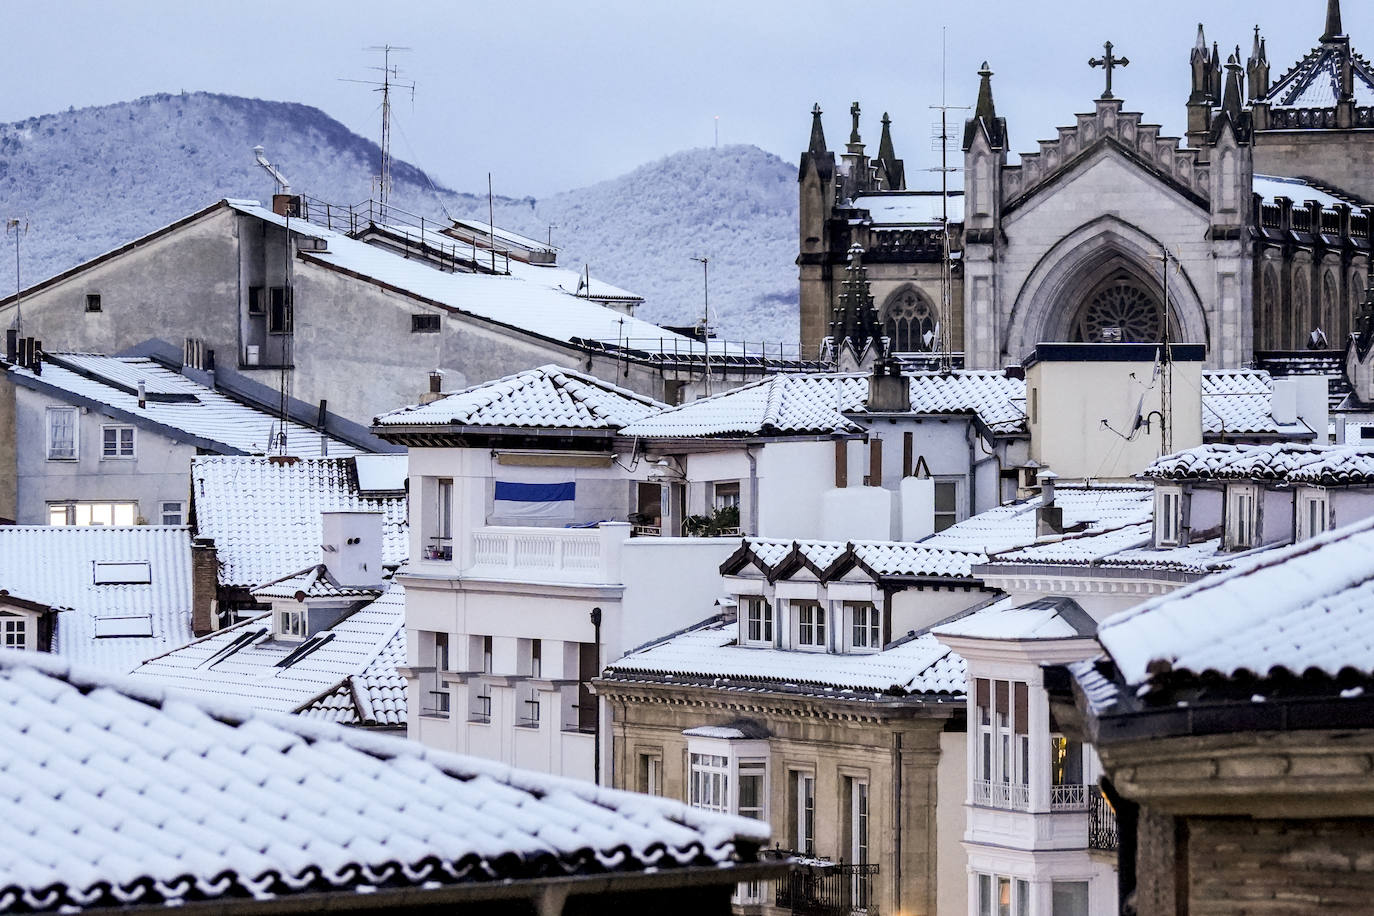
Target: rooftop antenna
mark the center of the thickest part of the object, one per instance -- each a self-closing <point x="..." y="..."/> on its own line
<point x="283" y="186"/>
<point x="717" y="132"/>
<point x="491" y="223"/>
<point x="943" y="140"/>
<point x="19" y="226"/>
<point x="705" y="261"/>
<point x="390" y="80"/>
<point x="552" y="227"/>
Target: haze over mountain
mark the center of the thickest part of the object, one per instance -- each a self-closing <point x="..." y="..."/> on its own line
<point x="91" y="179"/>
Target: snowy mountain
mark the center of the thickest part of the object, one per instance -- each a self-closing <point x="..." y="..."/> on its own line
<point x="91" y="179"/>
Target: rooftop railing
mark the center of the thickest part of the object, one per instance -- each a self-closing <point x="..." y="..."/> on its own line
<point x="563" y="555"/>
<point x="1102" y="829"/>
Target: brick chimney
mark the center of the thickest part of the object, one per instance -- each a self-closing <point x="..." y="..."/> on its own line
<point x="204" y="586"/>
<point x="436" y="386"/>
<point x="888" y="390"/>
<point x="1049" y="518"/>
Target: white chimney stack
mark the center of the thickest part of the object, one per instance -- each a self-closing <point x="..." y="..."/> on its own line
<point x="352" y="547"/>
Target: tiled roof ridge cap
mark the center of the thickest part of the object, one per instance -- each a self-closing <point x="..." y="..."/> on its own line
<point x="316" y="568"/>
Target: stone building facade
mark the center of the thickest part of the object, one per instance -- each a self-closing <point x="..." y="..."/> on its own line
<point x="1255" y="224"/>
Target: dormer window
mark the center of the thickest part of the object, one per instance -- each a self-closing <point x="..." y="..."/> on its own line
<point x="758" y="620"/>
<point x="1168" y="516"/>
<point x="866" y="625"/>
<point x="291" y="624"/>
<point x="810" y="625"/>
<point x="1242" y="516"/>
<point x="1314" y="512"/>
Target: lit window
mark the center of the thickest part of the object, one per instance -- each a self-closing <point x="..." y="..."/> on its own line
<point x="82" y="514"/>
<point x="1168" y="516"/>
<point x="758" y="620"/>
<point x="291" y="624"/>
<point x="710" y="783"/>
<point x="867" y="624"/>
<point x="14" y="633"/>
<point x="996" y="896"/>
<point x="1314" y="513"/>
<point x="173" y="513"/>
<point x="61" y="433"/>
<point x="117" y="442"/>
<point x="1241" y="522"/>
<point x="810" y="624"/>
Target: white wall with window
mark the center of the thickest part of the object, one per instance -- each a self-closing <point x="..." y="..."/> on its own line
<point x="93" y="513"/>
<point x="1242" y="516"/>
<point x="727" y="771"/>
<point x="1313" y="512"/>
<point x="62" y="434"/>
<point x="18" y="631"/>
<point x="116" y="441"/>
<point x="1168" y="515"/>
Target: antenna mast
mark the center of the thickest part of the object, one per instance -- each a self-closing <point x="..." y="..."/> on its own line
<point x="706" y="315"/>
<point x="947" y="258"/>
<point x="19" y="225"/>
<point x="390" y="80"/>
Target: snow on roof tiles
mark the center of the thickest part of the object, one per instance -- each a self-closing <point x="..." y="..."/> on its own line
<point x="1006" y="527"/>
<point x="1272" y="187"/>
<point x="999" y="401"/>
<point x="1307" y="606"/>
<point x="55" y="565"/>
<point x="1240" y="401"/>
<point x="1294" y="463"/>
<point x="264" y="513"/>
<point x="314" y="582"/>
<point x="190" y="408"/>
<point x="549" y="397"/>
<point x="118" y="793"/>
<point x="899" y="558"/>
<point x="243" y="662"/>
<point x="1314" y="81"/>
<point x="1045" y="618"/>
<point x="908" y="208"/>
<point x="915" y="666"/>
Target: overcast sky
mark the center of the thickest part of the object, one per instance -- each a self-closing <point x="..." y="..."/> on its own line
<point x="553" y="95"/>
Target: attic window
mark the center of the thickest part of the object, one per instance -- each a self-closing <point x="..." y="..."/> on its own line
<point x="424" y="324"/>
<point x="122" y="574"/>
<point x="93" y="302"/>
<point x="130" y="625"/>
<point x="291" y="624"/>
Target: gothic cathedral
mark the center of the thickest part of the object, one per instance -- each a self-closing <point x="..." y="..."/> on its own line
<point x="1255" y="229"/>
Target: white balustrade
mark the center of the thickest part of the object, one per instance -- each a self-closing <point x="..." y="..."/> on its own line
<point x="573" y="555"/>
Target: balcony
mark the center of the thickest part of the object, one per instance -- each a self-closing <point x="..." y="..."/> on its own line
<point x="1102" y="832"/>
<point x="820" y="888"/>
<point x="991" y="793"/>
<point x="565" y="556"/>
<point x="1069" y="797"/>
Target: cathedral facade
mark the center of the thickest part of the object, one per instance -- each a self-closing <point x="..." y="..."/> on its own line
<point x="1251" y="235"/>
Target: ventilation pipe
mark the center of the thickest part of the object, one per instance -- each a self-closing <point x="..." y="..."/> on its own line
<point x="284" y="203"/>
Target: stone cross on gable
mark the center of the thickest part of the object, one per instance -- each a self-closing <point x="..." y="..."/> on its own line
<point x="1108" y="62"/>
<point x="854" y="113"/>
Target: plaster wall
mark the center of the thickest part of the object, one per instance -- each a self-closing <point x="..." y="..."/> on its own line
<point x="670" y="583"/>
<point x="1336" y="158"/>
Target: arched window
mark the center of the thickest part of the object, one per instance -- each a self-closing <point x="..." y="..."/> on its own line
<point x="1355" y="301"/>
<point x="1327" y="316"/>
<point x="1269" y="305"/>
<point x="1301" y="310"/>
<point x="909" y="322"/>
<point x="1119" y="310"/>
<point x="1228" y="180"/>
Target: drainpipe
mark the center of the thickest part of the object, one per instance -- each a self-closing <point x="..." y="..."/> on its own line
<point x="753" y="490"/>
<point x="596" y="724"/>
<point x="897" y="844"/>
<point x="971" y="434"/>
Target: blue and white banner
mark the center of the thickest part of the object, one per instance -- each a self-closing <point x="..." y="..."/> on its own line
<point x="534" y="500"/>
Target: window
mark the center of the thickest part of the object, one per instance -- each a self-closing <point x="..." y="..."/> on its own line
<point x="82" y="514"/>
<point x="999" y="895"/>
<point x="1314" y="514"/>
<point x="441" y="651"/>
<point x="758" y="620"/>
<point x="1001" y="777"/>
<point x="946" y="503"/>
<point x="256" y="305"/>
<point x="173" y="513"/>
<point x="93" y="302"/>
<point x="801" y="815"/>
<point x="650" y="780"/>
<point x="1034" y="406"/>
<point x="909" y="322"/>
<point x="291" y="624"/>
<point x="1241" y="503"/>
<point x="531" y="657"/>
<point x="856" y="831"/>
<point x="709" y="787"/>
<point x="1069" y="898"/>
<point x="753" y="789"/>
<point x="725" y="495"/>
<point x="424" y="324"/>
<point x="867" y="624"/>
<point x="810" y="625"/>
<point x="530" y="708"/>
<point x="1168" y="516"/>
<point x="1067" y="789"/>
<point x="14" y="633"/>
<point x="486" y="655"/>
<point x="440" y="543"/>
<point x="479" y="693"/>
<point x="280" y="316"/>
<point x="61" y="433"/>
<point x="117" y="442"/>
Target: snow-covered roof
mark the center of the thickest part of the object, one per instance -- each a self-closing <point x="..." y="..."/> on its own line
<point x="245" y="663"/>
<point x="1315" y="81"/>
<point x="264" y="513"/>
<point x="911" y="208"/>
<point x="1240" y="402"/>
<point x="1288" y="462"/>
<point x="1095" y="508"/>
<point x="1305" y="607"/>
<point x="900" y="558"/>
<point x="313" y="582"/>
<point x="505" y="235"/>
<point x="919" y="665"/>
<point x="828" y="560"/>
<point x="817" y="404"/>
<point x="1044" y="618"/>
<point x="121" y="793"/>
<point x="514" y="301"/>
<point x="1272" y="187"/>
<point x="61" y="565"/>
<point x="549" y="397"/>
<point x="174" y="406"/>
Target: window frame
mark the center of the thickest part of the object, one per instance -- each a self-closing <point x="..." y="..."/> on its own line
<point x="801" y="803"/>
<point x="257" y="301"/>
<point x="75" y="414"/>
<point x="871" y="627"/>
<point x="281" y="311"/>
<point x="725" y="494"/>
<point x="957" y="514"/>
<point x="706" y="770"/>
<point x="999" y="713"/>
<point x="425" y="323"/>
<point x="291" y="624"/>
<point x="73" y="509"/>
<point x="1242" y="523"/>
<point x="118" y="454"/>
<point x="811" y="627"/>
<point x="180" y="512"/>
<point x="1312" y="500"/>
<point x="14" y="631"/>
<point x="756" y="610"/>
<point x="93" y="299"/>
<point x="1168" y="518"/>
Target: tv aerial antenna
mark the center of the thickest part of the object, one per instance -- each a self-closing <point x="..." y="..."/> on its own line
<point x="945" y="143"/>
<point x="390" y="81"/>
<point x="18" y="226"/>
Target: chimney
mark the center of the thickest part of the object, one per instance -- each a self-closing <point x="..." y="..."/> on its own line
<point x="888" y="390"/>
<point x="1049" y="518"/>
<point x="142" y="394"/>
<point x="436" y="385"/>
<point x="204" y="586"/>
<point x="1283" y="402"/>
<point x="11" y="345"/>
<point x="352" y="547"/>
<point x="286" y="205"/>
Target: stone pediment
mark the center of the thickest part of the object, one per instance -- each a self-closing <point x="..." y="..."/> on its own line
<point x="1108" y="126"/>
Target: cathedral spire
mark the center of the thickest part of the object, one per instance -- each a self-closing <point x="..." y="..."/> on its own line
<point x="1333" y="21"/>
<point x="885" y="150"/>
<point x="1214" y="71"/>
<point x="817" y="144"/>
<point x="892" y="169"/>
<point x="1231" y="103"/>
<point x="854" y="324"/>
<point x="1199" y="64"/>
<point x="985" y="114"/>
<point x="1257" y="69"/>
<point x="985" y="110"/>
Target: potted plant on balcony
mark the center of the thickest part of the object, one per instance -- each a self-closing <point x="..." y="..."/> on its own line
<point x="722" y="522"/>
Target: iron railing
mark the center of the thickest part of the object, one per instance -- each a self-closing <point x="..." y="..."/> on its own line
<point x="1102" y="831"/>
<point x="1069" y="797"/>
<point x="820" y="888"/>
<point x="994" y="793"/>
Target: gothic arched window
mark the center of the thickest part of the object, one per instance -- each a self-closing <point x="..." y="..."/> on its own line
<point x="1269" y="305"/>
<point x="1355" y="301"/>
<point x="909" y="322"/>
<point x="1327" y="318"/>
<point x="1119" y="310"/>
<point x="1302" y="316"/>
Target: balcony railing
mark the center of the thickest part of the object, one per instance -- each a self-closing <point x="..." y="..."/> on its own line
<point x="829" y="889"/>
<point x="993" y="793"/>
<point x="564" y="555"/>
<point x="1102" y="832"/>
<point x="1068" y="797"/>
